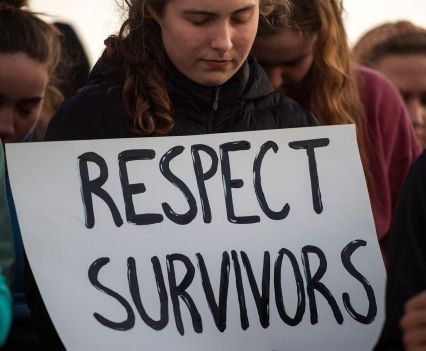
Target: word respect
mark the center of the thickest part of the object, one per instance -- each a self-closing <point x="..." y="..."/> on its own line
<point x="90" y="187"/>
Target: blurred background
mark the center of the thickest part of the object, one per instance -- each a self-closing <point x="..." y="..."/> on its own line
<point x="94" y="20"/>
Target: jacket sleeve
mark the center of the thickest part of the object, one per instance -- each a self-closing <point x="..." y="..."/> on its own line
<point x="5" y="310"/>
<point x="6" y="237"/>
<point x="94" y="113"/>
<point x="6" y="257"/>
<point x="407" y="254"/>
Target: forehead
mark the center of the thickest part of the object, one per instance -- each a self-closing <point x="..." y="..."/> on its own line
<point x="407" y="71"/>
<point x="21" y="77"/>
<point x="285" y="45"/>
<point x="213" y="6"/>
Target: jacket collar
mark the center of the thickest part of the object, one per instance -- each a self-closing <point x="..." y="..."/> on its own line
<point x="249" y="82"/>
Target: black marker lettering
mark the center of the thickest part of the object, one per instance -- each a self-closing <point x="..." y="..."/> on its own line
<point x="167" y="173"/>
<point x="257" y="179"/>
<point x="229" y="183"/>
<point x="262" y="301"/>
<point x="218" y="310"/>
<point x="93" y="273"/>
<point x="162" y="293"/>
<point x="94" y="186"/>
<point x="202" y="177"/>
<point x="372" y="305"/>
<point x="132" y="189"/>
<point x="240" y="291"/>
<point x="177" y="291"/>
<point x="313" y="283"/>
<point x="309" y="146"/>
<point x="301" y="300"/>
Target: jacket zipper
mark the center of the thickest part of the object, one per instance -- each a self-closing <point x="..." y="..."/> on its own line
<point x="215" y="107"/>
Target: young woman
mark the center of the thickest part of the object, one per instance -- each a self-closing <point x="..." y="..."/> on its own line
<point x="307" y="57"/>
<point x="29" y="53"/>
<point x="177" y="67"/>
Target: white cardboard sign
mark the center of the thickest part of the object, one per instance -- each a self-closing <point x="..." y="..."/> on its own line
<point x="242" y="241"/>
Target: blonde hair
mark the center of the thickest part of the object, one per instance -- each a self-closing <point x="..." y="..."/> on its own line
<point x="331" y="88"/>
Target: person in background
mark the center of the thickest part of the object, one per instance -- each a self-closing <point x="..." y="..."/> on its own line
<point x="29" y="53"/>
<point x="6" y="257"/>
<point x="71" y="74"/>
<point x="398" y="50"/>
<point x="307" y="57"/>
<point x="74" y="67"/>
<point x="405" y="324"/>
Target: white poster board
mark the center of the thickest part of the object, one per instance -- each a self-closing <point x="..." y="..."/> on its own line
<point x="242" y="241"/>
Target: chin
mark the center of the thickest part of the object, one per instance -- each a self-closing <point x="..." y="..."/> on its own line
<point x="214" y="80"/>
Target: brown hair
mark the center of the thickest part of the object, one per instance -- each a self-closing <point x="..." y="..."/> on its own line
<point x="137" y="51"/>
<point x="331" y="89"/>
<point x="401" y="38"/>
<point x="23" y="32"/>
<point x="15" y="3"/>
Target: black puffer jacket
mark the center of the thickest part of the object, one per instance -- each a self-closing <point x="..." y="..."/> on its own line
<point x="246" y="102"/>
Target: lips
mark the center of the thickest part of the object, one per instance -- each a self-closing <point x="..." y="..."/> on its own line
<point x="217" y="64"/>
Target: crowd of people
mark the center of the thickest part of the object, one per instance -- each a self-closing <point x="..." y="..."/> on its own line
<point x="188" y="67"/>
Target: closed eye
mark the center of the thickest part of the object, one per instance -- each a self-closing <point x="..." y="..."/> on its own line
<point x="25" y="107"/>
<point x="423" y="99"/>
<point x="243" y="16"/>
<point x="199" y="18"/>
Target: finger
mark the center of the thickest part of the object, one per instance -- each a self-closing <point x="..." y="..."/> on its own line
<point x="413" y="319"/>
<point x="418" y="348"/>
<point x="415" y="338"/>
<point x="418" y="301"/>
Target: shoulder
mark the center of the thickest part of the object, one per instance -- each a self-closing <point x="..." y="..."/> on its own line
<point x="286" y="112"/>
<point x="92" y="113"/>
<point x="272" y="109"/>
<point x="385" y="109"/>
<point x="376" y="88"/>
<point x="409" y="223"/>
<point x="417" y="174"/>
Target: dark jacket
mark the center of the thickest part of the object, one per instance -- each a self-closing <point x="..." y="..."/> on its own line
<point x="407" y="254"/>
<point x="246" y="102"/>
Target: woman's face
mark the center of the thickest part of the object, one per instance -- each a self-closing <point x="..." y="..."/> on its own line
<point x="209" y="40"/>
<point x="23" y="82"/>
<point x="286" y="56"/>
<point x="408" y="73"/>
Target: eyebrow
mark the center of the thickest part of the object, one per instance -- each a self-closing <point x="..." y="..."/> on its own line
<point x="282" y="62"/>
<point x="296" y="59"/>
<point x="33" y="100"/>
<point x="211" y="13"/>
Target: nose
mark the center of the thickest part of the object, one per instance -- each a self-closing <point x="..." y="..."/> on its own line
<point x="222" y="38"/>
<point x="7" y="127"/>
<point x="417" y="112"/>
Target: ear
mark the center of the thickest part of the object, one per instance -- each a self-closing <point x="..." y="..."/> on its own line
<point x="151" y="13"/>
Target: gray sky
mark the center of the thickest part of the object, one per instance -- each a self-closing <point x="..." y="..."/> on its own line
<point x="94" y="20"/>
